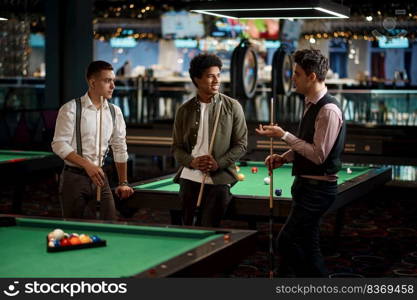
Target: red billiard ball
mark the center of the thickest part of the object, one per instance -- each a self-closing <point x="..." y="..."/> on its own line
<point x="254" y="170"/>
<point x="65" y="242"/>
<point x="226" y="237"/>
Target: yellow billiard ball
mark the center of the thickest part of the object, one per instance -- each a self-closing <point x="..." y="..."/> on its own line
<point x="241" y="177"/>
<point x="85" y="239"/>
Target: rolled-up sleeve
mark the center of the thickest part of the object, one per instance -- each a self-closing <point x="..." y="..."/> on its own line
<point x="64" y="130"/>
<point x="118" y="138"/>
<point x="327" y="127"/>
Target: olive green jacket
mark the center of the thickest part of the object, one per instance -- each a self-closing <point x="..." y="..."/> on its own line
<point x="229" y="144"/>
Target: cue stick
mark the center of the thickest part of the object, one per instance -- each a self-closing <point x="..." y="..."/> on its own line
<point x="99" y="146"/>
<point x="200" y="194"/>
<point x="271" y="196"/>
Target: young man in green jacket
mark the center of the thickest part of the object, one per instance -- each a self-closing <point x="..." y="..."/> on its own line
<point x="193" y="128"/>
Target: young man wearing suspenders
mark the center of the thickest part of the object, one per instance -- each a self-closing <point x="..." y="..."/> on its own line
<point x="76" y="140"/>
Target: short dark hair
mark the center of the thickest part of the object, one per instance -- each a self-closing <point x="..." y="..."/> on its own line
<point x="202" y="62"/>
<point x="96" y="67"/>
<point x="312" y="60"/>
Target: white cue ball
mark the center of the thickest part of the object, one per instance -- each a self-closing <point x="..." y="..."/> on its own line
<point x="349" y="171"/>
<point x="267" y="180"/>
<point x="58" y="234"/>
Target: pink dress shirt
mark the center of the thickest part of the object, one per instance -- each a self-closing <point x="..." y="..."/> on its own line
<point x="327" y="126"/>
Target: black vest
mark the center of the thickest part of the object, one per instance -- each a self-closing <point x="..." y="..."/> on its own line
<point x="332" y="164"/>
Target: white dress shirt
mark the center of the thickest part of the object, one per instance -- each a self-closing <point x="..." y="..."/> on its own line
<point x="201" y="147"/>
<point x="65" y="140"/>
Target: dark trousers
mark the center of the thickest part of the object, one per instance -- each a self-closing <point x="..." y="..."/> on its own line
<point x="79" y="200"/>
<point x="298" y="242"/>
<point x="216" y="198"/>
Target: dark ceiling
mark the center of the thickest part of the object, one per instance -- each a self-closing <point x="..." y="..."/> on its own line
<point x="358" y="7"/>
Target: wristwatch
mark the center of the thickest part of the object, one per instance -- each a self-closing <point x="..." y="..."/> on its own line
<point x="123" y="183"/>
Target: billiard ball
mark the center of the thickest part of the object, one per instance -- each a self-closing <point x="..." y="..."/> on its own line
<point x="226" y="237"/>
<point x="57" y="243"/>
<point x="241" y="177"/>
<point x="237" y="169"/>
<point x="51" y="243"/>
<point x="65" y="242"/>
<point x="57" y="234"/>
<point x="267" y="180"/>
<point x="278" y="192"/>
<point x="254" y="170"/>
<point x="349" y="171"/>
<point x="95" y="239"/>
<point x="85" y="239"/>
<point x="74" y="240"/>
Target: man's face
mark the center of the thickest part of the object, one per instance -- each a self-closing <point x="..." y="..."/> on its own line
<point x="209" y="83"/>
<point x="102" y="84"/>
<point x="301" y="80"/>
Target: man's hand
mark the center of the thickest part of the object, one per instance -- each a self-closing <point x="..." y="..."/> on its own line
<point x="274" y="161"/>
<point x="204" y="163"/>
<point x="211" y="164"/>
<point x="95" y="173"/>
<point x="124" y="191"/>
<point x="270" y="131"/>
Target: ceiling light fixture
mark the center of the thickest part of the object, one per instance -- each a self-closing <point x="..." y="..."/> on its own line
<point x="295" y="9"/>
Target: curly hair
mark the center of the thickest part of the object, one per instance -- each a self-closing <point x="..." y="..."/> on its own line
<point x="312" y="60"/>
<point x="202" y="62"/>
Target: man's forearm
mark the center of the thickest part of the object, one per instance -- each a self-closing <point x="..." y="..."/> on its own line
<point x="122" y="171"/>
<point x="77" y="160"/>
<point x="182" y="157"/>
<point x="231" y="156"/>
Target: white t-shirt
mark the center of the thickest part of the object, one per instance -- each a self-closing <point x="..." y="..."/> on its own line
<point x="201" y="147"/>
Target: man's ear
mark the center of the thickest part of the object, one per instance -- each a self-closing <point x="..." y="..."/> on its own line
<point x="312" y="76"/>
<point x="91" y="82"/>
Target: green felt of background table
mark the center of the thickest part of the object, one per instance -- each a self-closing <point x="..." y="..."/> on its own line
<point x="7" y="155"/>
<point x="130" y="249"/>
<point x="253" y="184"/>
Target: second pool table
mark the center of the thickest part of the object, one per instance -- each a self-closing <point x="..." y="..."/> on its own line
<point x="132" y="250"/>
<point x="19" y="168"/>
<point x="251" y="196"/>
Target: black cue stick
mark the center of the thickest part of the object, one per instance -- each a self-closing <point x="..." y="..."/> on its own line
<point x="271" y="197"/>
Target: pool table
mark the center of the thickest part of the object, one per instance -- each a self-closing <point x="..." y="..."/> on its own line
<point x="19" y="168"/>
<point x="251" y="196"/>
<point x="131" y="250"/>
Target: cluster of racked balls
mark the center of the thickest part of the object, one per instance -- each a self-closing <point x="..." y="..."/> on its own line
<point x="58" y="238"/>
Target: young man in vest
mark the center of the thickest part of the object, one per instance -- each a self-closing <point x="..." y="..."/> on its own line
<point x="76" y="140"/>
<point x="193" y="128"/>
<point x="315" y="153"/>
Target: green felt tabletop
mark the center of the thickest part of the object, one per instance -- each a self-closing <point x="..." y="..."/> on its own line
<point x="8" y="155"/>
<point x="130" y="249"/>
<point x="253" y="183"/>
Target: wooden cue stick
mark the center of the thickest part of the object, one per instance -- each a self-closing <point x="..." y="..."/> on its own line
<point x="271" y="196"/>
<point x="200" y="194"/>
<point x="99" y="145"/>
